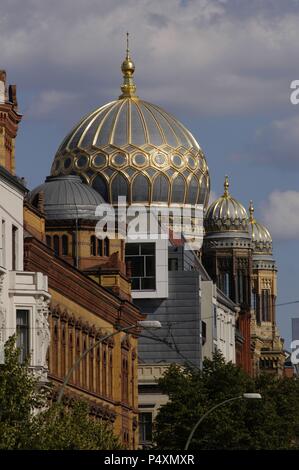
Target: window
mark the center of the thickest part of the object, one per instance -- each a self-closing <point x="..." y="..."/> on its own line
<point x="106" y="246"/>
<point x="23" y="333"/>
<point x="93" y="245"/>
<point x="141" y="257"/>
<point x="145" y="428"/>
<point x="99" y="246"/>
<point x="65" y="245"/>
<point x="140" y="190"/>
<point x="56" y="245"/>
<point x="224" y="283"/>
<point x="173" y="264"/>
<point x="14" y="251"/>
<point x="266" y="305"/>
<point x="161" y="189"/>
<point x="3" y="242"/>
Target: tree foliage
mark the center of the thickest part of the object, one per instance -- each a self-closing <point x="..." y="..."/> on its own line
<point x="29" y="421"/>
<point x="270" y="423"/>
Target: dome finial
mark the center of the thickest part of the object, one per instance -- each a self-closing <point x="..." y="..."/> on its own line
<point x="226" y="186"/>
<point x="251" y="211"/>
<point x="128" y="87"/>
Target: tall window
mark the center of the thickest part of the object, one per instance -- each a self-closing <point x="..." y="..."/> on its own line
<point x="145" y="428"/>
<point x="14" y="242"/>
<point x="23" y="333"/>
<point x="96" y="246"/>
<point x="56" y="245"/>
<point x="3" y="243"/>
<point x="106" y="246"/>
<point x="65" y="245"/>
<point x="141" y="257"/>
<point x="224" y="283"/>
<point x="266" y="305"/>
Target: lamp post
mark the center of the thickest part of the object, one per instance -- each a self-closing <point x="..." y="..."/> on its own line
<point x="247" y="396"/>
<point x="148" y="324"/>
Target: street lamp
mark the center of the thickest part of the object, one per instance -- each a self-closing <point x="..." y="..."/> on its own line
<point x="247" y="396"/>
<point x="147" y="324"/>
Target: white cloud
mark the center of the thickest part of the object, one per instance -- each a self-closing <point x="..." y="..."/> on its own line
<point x="281" y="214"/>
<point x="48" y="102"/>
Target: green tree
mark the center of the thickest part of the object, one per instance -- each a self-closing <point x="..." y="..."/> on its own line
<point x="29" y="421"/>
<point x="270" y="423"/>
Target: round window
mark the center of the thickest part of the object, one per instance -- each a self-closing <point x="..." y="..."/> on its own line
<point x="82" y="161"/>
<point x="67" y="163"/>
<point x="139" y="159"/>
<point x="119" y="159"/>
<point x="177" y="160"/>
<point x="99" y="160"/>
<point x="160" y="159"/>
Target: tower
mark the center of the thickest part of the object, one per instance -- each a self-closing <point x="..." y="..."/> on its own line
<point x="9" y="122"/>
<point x="227" y="256"/>
<point x="268" y="354"/>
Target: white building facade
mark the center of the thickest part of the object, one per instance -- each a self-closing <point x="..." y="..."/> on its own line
<point x="24" y="296"/>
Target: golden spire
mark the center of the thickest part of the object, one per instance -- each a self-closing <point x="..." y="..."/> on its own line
<point x="226" y="186"/>
<point x="128" y="87"/>
<point x="251" y="211"/>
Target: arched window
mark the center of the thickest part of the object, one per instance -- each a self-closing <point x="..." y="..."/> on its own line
<point x="106" y="246"/>
<point x="65" y="245"/>
<point x="99" y="246"/>
<point x="192" y="192"/>
<point x="140" y="189"/>
<point x="100" y="185"/>
<point x="178" y="190"/>
<point x="56" y="245"/>
<point x="161" y="189"/>
<point x="119" y="187"/>
<point x="93" y="245"/>
<point x="104" y="391"/>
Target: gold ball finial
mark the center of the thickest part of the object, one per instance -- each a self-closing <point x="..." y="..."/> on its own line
<point x="251" y="211"/>
<point x="226" y="186"/>
<point x="128" y="87"/>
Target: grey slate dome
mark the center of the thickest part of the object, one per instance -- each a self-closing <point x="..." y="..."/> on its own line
<point x="67" y="197"/>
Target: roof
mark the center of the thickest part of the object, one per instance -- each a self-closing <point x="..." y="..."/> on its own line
<point x="67" y="197"/>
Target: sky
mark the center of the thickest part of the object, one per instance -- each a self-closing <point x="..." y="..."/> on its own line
<point x="222" y="67"/>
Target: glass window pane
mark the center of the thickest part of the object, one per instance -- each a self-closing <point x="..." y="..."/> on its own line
<point x="161" y="189"/>
<point x="147" y="248"/>
<point x="148" y="283"/>
<point x="140" y="192"/>
<point x="150" y="266"/>
<point x="132" y="249"/>
<point x="137" y="265"/>
<point x="178" y="190"/>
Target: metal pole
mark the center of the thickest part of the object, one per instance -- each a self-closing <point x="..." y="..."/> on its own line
<point x="205" y="415"/>
<point x="77" y="362"/>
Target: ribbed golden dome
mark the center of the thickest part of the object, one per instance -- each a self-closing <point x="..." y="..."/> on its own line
<point x="133" y="148"/>
<point x="261" y="238"/>
<point x="226" y="214"/>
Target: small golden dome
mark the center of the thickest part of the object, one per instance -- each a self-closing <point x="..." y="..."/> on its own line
<point x="261" y="238"/>
<point x="226" y="214"/>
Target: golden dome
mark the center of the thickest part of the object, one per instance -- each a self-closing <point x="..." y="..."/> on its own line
<point x="132" y="148"/>
<point x="226" y="214"/>
<point x="261" y="238"/>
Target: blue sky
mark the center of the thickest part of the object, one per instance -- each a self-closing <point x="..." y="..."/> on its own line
<point x="222" y="67"/>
